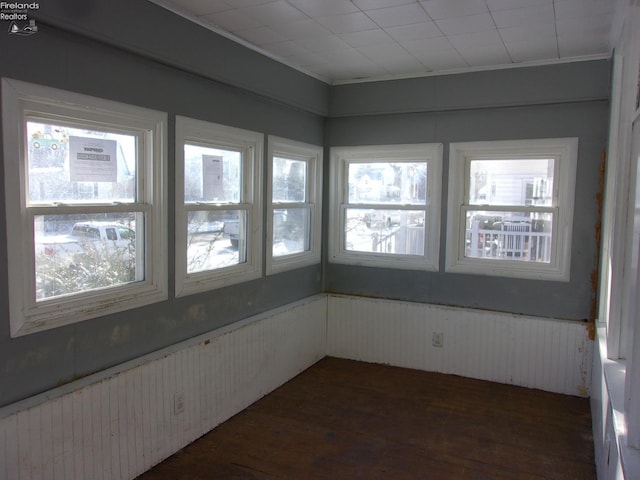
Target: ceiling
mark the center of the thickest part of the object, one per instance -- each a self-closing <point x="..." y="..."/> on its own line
<point x="342" y="41"/>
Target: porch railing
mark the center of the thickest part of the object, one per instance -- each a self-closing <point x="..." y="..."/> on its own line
<point x="511" y="242"/>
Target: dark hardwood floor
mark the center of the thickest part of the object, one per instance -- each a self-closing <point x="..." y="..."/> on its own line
<point x="343" y="419"/>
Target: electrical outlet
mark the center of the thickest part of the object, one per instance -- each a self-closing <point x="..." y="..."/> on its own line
<point x="437" y="339"/>
<point x="178" y="403"/>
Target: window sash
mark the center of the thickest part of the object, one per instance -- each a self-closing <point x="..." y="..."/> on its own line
<point x="249" y="145"/>
<point x="308" y="211"/>
<point x="311" y="156"/>
<point x="401" y="160"/>
<point x="381" y="238"/>
<point x="23" y="102"/>
<point x="427" y="259"/>
<point x="498" y="157"/>
<point x="563" y="151"/>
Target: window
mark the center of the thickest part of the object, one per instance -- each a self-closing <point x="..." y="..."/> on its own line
<point x="294" y="222"/>
<point x="84" y="180"/>
<point x="386" y="205"/>
<point x="218" y="205"/>
<point x="511" y="208"/>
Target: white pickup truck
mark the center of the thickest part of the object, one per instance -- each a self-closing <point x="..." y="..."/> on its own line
<point x="104" y="238"/>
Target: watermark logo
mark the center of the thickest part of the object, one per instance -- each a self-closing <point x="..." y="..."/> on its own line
<point x="17" y="17"/>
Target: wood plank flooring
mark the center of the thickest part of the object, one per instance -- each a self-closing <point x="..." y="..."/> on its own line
<point x="343" y="419"/>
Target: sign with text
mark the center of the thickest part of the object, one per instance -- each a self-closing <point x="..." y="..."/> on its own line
<point x="92" y="160"/>
<point x="211" y="177"/>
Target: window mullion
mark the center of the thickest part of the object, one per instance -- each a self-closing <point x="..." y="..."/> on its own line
<point x="509" y="208"/>
<point x="71" y="209"/>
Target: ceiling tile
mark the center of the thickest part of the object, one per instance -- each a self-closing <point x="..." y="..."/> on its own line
<point x="400" y="15"/>
<point x="525" y="51"/>
<point x="584" y="25"/>
<point x="392" y="58"/>
<point x="415" y="31"/>
<point x="416" y="47"/>
<point x="324" y="45"/>
<point x="468" y="24"/>
<point x="522" y="16"/>
<point x="474" y="40"/>
<point x="439" y="9"/>
<point x="497" y="5"/>
<point x="302" y="29"/>
<point x="448" y="59"/>
<point x="484" y="56"/>
<point x="579" y="44"/>
<point x="351" y="22"/>
<point x="274" y="13"/>
<point x="345" y="56"/>
<point x="568" y="9"/>
<point x="367" y="37"/>
<point x="375" y="52"/>
<point x="528" y="32"/>
<point x="375" y="4"/>
<point x="325" y="8"/>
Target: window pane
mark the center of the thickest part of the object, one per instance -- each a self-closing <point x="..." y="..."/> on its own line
<point x="289" y="180"/>
<point x="215" y="239"/>
<point x="381" y="182"/>
<point x="81" y="252"/>
<point x="511" y="182"/>
<point x="212" y="175"/>
<point x="74" y="165"/>
<point x="291" y="231"/>
<point x="522" y="236"/>
<point x="398" y="232"/>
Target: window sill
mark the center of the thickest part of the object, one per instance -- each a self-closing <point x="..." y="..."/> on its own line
<point x="614" y="372"/>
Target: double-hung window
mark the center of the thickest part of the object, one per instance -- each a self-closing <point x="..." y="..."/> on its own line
<point x="386" y="205"/>
<point x="218" y="205"/>
<point x="294" y="192"/>
<point x="511" y="207"/>
<point x="85" y="180"/>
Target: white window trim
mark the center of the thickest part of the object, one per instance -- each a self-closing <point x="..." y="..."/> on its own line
<point x="340" y="157"/>
<point x="27" y="316"/>
<point x="565" y="150"/>
<point x="252" y="145"/>
<point x="312" y="155"/>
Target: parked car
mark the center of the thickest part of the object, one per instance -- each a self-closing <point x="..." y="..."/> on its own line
<point x="105" y="237"/>
<point x="231" y="230"/>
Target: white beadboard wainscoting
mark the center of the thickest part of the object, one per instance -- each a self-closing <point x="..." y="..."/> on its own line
<point x="547" y="354"/>
<point x="119" y="423"/>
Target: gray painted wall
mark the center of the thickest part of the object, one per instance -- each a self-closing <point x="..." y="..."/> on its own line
<point x="550" y="84"/>
<point x="61" y="59"/>
<point x="530" y="103"/>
